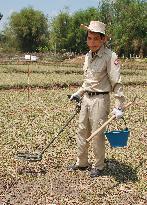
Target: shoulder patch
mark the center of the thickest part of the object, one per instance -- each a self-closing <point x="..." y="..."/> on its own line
<point x="116" y="62"/>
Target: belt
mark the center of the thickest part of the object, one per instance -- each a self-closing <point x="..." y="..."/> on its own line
<point x="96" y="93"/>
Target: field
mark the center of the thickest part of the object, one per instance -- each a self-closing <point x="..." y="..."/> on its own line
<point x="28" y="123"/>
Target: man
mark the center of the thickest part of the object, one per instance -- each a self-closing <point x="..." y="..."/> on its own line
<point x="101" y="76"/>
<point x="1" y="16"/>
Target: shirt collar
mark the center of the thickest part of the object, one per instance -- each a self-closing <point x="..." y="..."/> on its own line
<point x="98" y="53"/>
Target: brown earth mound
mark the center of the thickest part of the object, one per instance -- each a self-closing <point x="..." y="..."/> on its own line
<point x="77" y="60"/>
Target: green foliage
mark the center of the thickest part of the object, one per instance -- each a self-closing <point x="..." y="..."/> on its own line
<point x="128" y="26"/>
<point x="30" y="28"/>
<point x="106" y="11"/>
<point x="125" y="20"/>
<point x="61" y="75"/>
<point x="9" y="42"/>
<point x="59" y="31"/>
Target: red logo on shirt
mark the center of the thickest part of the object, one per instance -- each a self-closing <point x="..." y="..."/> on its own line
<point x="116" y="62"/>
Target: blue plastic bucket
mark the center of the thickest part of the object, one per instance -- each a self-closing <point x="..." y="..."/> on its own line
<point x="118" y="138"/>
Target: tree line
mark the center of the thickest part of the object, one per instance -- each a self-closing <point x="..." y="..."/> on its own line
<point x="31" y="31"/>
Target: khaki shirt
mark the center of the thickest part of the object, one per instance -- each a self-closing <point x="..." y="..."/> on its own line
<point x="102" y="74"/>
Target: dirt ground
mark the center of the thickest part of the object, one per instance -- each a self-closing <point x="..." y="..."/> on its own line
<point x="48" y="182"/>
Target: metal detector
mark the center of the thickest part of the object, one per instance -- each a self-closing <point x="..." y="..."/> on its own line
<point x="34" y="157"/>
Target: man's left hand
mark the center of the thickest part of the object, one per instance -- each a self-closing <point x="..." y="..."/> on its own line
<point x="118" y="113"/>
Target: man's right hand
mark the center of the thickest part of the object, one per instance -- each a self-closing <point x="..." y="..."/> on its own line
<point x="75" y="97"/>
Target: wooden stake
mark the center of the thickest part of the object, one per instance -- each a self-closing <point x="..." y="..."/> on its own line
<point x="28" y="82"/>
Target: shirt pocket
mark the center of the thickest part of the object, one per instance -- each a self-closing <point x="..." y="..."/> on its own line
<point x="98" y="66"/>
<point x="97" y="70"/>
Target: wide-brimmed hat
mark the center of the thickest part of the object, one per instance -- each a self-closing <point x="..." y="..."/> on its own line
<point x="95" y="26"/>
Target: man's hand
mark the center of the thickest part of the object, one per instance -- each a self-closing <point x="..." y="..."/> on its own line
<point x="75" y="97"/>
<point x="118" y="113"/>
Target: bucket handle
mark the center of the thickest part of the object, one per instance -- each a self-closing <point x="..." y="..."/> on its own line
<point x="108" y="121"/>
<point x="125" y="123"/>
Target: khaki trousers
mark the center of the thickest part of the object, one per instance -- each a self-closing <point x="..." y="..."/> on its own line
<point x="94" y="112"/>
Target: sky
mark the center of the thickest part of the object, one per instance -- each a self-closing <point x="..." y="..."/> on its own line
<point x="48" y="7"/>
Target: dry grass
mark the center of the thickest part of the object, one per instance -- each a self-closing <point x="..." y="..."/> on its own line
<point x="30" y="125"/>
